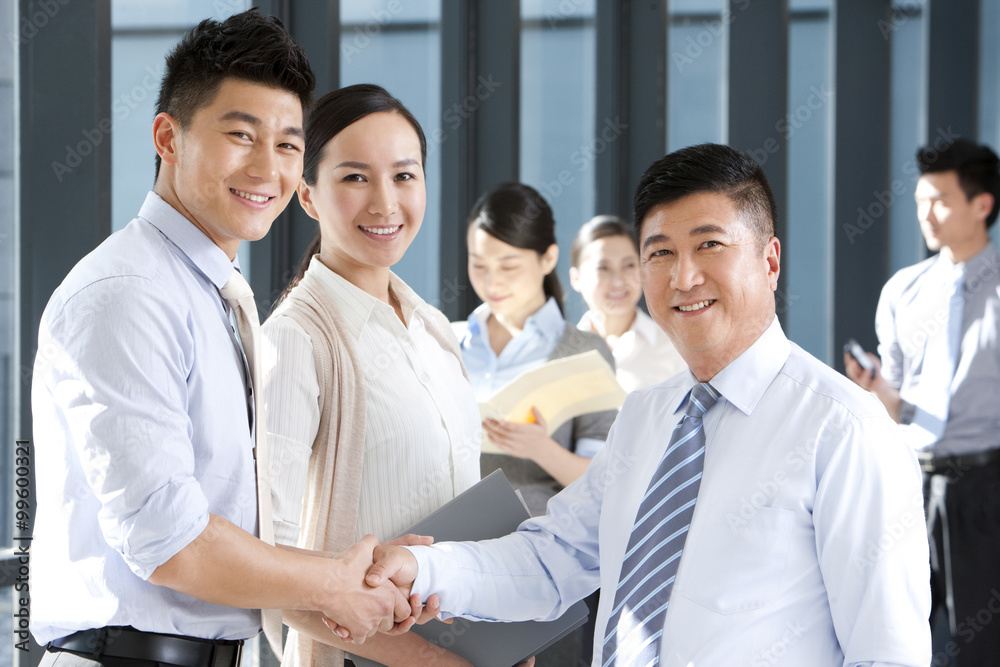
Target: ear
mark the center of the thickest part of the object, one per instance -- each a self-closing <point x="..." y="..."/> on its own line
<point x="166" y="132"/>
<point x="574" y="278"/>
<point x="982" y="204"/>
<point x="550" y="258"/>
<point x="772" y="255"/>
<point x="305" y="199"/>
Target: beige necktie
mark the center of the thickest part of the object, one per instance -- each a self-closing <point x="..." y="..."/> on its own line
<point x="239" y="296"/>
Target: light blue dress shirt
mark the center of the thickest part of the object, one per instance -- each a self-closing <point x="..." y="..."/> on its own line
<point x="141" y="430"/>
<point x="807" y="545"/>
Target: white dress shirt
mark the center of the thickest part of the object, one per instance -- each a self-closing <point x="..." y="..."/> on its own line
<point x="644" y="354"/>
<point x="422" y="424"/>
<point x="807" y="545"/>
<point x="141" y="428"/>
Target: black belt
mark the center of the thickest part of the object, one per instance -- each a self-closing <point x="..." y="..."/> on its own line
<point x="129" y="643"/>
<point x="957" y="464"/>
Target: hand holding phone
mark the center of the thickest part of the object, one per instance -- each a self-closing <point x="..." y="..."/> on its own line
<point x="853" y="348"/>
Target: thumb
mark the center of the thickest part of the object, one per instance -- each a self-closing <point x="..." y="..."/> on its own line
<point x="389" y="565"/>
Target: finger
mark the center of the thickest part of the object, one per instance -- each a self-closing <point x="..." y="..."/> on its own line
<point x="429" y="610"/>
<point x="538" y="418"/>
<point x="400" y="628"/>
<point x="401" y="609"/>
<point x="412" y="540"/>
<point x="338" y="630"/>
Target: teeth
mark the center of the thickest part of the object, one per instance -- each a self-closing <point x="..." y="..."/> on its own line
<point x="696" y="306"/>
<point x="382" y="231"/>
<point x="260" y="199"/>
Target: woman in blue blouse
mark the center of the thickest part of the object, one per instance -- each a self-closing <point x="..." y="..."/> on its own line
<point x="519" y="326"/>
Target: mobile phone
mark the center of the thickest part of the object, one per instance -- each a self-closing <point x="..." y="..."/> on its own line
<point x="853" y="348"/>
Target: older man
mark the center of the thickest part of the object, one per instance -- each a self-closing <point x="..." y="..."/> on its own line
<point x="757" y="510"/>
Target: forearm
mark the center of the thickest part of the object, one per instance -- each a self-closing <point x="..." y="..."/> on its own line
<point x="889" y="396"/>
<point x="564" y="466"/>
<point x="228" y="566"/>
<point x="404" y="650"/>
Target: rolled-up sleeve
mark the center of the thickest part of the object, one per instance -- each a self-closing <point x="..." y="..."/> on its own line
<point x="119" y="361"/>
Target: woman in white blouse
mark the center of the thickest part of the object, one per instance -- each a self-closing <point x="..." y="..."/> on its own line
<point x="370" y="415"/>
<point x="604" y="268"/>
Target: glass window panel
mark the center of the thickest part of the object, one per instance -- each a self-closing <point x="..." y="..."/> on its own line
<point x="678" y="7"/>
<point x="907" y="127"/>
<point x="697" y="56"/>
<point x="553" y="11"/>
<point x="560" y="136"/>
<point x="809" y="5"/>
<point x="808" y="262"/>
<point x="989" y="73"/>
<point x="405" y="59"/>
<point x="151" y="14"/>
<point x="376" y="14"/>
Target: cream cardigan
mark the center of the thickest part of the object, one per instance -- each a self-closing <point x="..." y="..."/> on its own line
<point x="333" y="482"/>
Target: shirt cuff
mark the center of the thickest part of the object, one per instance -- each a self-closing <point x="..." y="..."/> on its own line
<point x="588" y="447"/>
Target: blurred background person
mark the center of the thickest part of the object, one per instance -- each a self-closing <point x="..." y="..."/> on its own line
<point x="520" y="326"/>
<point x="604" y="269"/>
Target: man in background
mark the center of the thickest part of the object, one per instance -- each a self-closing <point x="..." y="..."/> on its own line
<point x="938" y="325"/>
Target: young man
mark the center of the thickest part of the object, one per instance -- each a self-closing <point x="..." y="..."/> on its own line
<point x="144" y="415"/>
<point x="938" y="324"/>
<point x="775" y="522"/>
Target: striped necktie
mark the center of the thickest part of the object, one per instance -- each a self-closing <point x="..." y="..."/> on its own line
<point x="657" y="540"/>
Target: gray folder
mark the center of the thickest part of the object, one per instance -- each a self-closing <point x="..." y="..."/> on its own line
<point x="489" y="509"/>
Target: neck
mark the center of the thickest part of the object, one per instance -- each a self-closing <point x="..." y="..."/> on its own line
<point x="371" y="280"/>
<point x="514" y="322"/>
<point x="960" y="252"/>
<point x="612" y="325"/>
<point x="166" y="192"/>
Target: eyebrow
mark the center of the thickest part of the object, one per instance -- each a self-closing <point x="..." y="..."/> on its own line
<point x="697" y="231"/>
<point x="253" y="120"/>
<point x="499" y="259"/>
<point x="408" y="162"/>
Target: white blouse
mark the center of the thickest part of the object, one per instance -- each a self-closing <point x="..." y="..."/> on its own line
<point x="422" y="434"/>
<point x="643" y="355"/>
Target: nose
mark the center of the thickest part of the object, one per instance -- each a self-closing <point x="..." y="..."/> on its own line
<point x="264" y="164"/>
<point x="685" y="274"/>
<point x="925" y="211"/>
<point x="384" y="201"/>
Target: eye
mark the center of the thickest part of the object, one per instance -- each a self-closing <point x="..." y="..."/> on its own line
<point x="290" y="147"/>
<point x="239" y="134"/>
<point x="660" y="253"/>
<point x="354" y="178"/>
<point x="710" y="244"/>
<point x="405" y="176"/>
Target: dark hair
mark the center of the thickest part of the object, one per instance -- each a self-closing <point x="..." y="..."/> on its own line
<point x="977" y="167"/>
<point x="333" y="113"/>
<point x="517" y="215"/>
<point x="709" y="168"/>
<point x="245" y="46"/>
<point x="597" y="228"/>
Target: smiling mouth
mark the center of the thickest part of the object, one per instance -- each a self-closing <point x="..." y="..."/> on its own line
<point x="382" y="231"/>
<point x="696" y="306"/>
<point x="259" y="199"/>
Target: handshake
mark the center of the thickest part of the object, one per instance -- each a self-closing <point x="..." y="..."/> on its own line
<point x="369" y="590"/>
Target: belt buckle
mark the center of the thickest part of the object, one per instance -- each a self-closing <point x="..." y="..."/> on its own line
<point x="226" y="655"/>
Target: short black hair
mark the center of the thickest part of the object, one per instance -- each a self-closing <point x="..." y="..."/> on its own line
<point x="247" y="46"/>
<point x="976" y="165"/>
<point x="709" y="168"/>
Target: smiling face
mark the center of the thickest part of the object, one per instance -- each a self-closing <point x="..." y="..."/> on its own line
<point x="709" y="281"/>
<point x="949" y="219"/>
<point x="508" y="279"/>
<point x="369" y="197"/>
<point x="608" y="276"/>
<point x="233" y="169"/>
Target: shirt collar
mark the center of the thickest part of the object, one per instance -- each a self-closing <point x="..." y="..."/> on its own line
<point x="746" y="378"/>
<point x="644" y="326"/>
<point x="200" y="250"/>
<point x="355" y="305"/>
<point x="547" y="321"/>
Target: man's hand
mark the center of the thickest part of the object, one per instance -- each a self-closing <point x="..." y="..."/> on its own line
<point x="526" y="441"/>
<point x="864" y="379"/>
<point x="359" y="609"/>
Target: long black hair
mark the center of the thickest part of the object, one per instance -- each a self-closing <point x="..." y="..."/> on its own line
<point x="519" y="216"/>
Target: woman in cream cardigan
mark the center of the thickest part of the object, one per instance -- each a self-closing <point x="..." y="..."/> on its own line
<point x="371" y="418"/>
